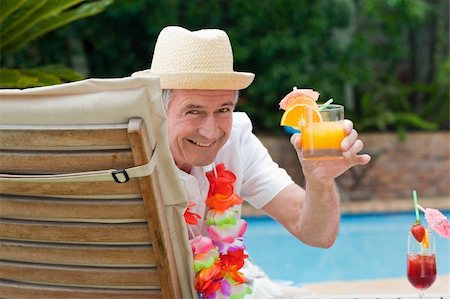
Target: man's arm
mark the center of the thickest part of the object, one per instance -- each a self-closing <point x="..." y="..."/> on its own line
<point x="314" y="221"/>
<point x="312" y="216"/>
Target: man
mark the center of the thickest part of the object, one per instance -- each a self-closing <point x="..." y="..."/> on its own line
<point x="200" y="91"/>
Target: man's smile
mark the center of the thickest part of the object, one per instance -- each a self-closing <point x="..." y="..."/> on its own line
<point x="201" y="144"/>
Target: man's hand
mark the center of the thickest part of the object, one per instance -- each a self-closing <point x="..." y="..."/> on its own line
<point x="313" y="216"/>
<point x="331" y="169"/>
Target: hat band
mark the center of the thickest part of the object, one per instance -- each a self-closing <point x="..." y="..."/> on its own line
<point x="202" y="80"/>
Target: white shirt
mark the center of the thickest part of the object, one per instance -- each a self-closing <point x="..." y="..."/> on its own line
<point x="259" y="178"/>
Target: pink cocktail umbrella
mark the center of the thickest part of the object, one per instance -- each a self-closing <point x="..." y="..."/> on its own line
<point x="437" y="221"/>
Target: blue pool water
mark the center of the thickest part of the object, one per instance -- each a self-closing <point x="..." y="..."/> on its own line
<point x="368" y="246"/>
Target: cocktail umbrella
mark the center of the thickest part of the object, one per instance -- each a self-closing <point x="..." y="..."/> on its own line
<point x="437" y="221"/>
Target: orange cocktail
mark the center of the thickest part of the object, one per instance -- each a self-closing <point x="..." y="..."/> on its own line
<point x="321" y="126"/>
<point x="321" y="139"/>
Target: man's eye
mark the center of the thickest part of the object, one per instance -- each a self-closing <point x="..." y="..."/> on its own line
<point x="194" y="112"/>
<point x="223" y="110"/>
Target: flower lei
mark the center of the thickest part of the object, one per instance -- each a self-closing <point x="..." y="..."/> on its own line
<point x="217" y="260"/>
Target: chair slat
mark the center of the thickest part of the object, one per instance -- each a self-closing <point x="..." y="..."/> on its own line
<point x="45" y="162"/>
<point x="44" y="137"/>
<point x="67" y="232"/>
<point x="32" y="291"/>
<point x="80" y="276"/>
<point x="62" y="239"/>
<point x="72" y="189"/>
<point x="64" y="254"/>
<point x="59" y="209"/>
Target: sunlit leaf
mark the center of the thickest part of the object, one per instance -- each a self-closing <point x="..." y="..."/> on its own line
<point x="47" y="75"/>
<point x="55" y="19"/>
<point x="8" y="7"/>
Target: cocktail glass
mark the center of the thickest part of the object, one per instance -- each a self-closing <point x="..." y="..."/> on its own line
<point x="421" y="263"/>
<point x="321" y="139"/>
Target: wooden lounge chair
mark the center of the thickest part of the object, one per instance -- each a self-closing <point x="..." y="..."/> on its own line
<point x="90" y="205"/>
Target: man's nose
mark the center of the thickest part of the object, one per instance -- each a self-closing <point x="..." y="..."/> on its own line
<point x="209" y="128"/>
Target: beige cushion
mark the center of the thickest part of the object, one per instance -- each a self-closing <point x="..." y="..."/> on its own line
<point x="106" y="101"/>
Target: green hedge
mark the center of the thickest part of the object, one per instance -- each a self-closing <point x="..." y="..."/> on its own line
<point x="386" y="61"/>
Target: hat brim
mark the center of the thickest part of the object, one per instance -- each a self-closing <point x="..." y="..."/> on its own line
<point x="225" y="81"/>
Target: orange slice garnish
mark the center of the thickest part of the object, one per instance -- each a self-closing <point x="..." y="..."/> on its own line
<point x="425" y="241"/>
<point x="298" y="115"/>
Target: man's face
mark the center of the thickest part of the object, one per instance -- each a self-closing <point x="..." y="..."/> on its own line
<point x="199" y="123"/>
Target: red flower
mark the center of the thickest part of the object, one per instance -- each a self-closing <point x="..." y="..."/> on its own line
<point x="233" y="258"/>
<point x="221" y="191"/>
<point x="189" y="217"/>
<point x="223" y="183"/>
<point x="211" y="287"/>
<point x="208" y="280"/>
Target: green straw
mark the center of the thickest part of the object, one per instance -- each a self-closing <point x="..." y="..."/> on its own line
<point x="416" y="208"/>
<point x="325" y="105"/>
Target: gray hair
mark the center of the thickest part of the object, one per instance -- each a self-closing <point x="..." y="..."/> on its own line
<point x="167" y="93"/>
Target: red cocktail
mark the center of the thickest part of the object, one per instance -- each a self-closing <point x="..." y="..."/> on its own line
<point x="421" y="270"/>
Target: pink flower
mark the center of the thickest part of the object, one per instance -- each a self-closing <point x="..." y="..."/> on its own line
<point x="226" y="236"/>
<point x="201" y="244"/>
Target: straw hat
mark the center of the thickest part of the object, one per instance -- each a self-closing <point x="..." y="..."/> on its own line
<point x="195" y="60"/>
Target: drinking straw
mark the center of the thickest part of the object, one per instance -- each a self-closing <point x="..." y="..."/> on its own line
<point x="324" y="105"/>
<point x="416" y="208"/>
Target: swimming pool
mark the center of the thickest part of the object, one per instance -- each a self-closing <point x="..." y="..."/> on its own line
<point x="368" y="246"/>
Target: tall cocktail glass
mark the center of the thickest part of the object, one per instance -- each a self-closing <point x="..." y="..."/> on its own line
<point x="421" y="263"/>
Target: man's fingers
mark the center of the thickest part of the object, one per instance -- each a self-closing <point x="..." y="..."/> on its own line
<point x="348" y="141"/>
<point x="352" y="156"/>
<point x="363" y="159"/>
<point x="296" y="140"/>
<point x="348" y="126"/>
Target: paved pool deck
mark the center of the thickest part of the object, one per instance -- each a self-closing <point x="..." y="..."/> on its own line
<point x="392" y="286"/>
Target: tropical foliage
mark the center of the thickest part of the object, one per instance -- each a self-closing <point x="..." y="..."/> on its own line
<point x="22" y="21"/>
<point x="386" y="61"/>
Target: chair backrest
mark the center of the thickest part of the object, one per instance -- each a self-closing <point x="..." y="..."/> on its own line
<point x="91" y="205"/>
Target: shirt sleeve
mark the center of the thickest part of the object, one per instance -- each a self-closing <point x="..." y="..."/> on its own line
<point x="263" y="178"/>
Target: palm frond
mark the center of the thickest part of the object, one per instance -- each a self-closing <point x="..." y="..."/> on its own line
<point x="42" y="11"/>
<point x="7" y="7"/>
<point x="42" y="76"/>
<point x="17" y="19"/>
<point x="56" y="15"/>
